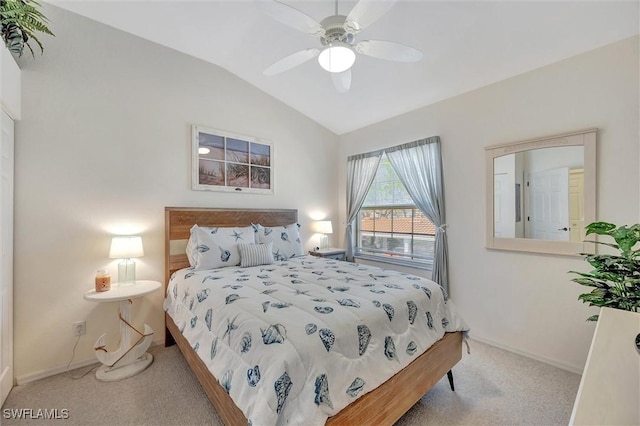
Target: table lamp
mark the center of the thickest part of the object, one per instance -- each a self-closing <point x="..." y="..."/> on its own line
<point x="126" y="247"/>
<point x="323" y="227"/>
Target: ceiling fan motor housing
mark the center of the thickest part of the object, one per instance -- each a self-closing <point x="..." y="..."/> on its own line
<point x="335" y="31"/>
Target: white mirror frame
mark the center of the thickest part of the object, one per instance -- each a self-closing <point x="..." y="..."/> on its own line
<point x="586" y="138"/>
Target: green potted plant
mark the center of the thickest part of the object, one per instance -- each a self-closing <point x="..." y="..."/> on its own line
<point x="615" y="277"/>
<point x="20" y="20"/>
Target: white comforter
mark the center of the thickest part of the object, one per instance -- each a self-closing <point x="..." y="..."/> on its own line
<point x="297" y="341"/>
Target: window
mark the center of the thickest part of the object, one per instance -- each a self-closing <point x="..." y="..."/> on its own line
<point x="390" y="226"/>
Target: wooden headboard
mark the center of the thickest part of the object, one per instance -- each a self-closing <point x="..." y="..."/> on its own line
<point x="179" y="220"/>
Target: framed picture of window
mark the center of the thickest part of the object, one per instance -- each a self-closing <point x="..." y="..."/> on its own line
<point x="230" y="162"/>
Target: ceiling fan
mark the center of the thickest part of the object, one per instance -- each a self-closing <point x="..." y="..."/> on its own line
<point x="337" y="35"/>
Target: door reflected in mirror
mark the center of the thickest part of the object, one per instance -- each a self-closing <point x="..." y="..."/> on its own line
<point x="539" y="194"/>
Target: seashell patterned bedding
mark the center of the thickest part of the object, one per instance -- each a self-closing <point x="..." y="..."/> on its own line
<point x="297" y="341"/>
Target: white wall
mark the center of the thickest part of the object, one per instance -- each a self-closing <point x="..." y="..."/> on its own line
<point x="9" y="85"/>
<point x="522" y="301"/>
<point x="104" y="145"/>
<point x="539" y="160"/>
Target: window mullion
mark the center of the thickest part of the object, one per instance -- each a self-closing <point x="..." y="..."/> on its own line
<point x="413" y="228"/>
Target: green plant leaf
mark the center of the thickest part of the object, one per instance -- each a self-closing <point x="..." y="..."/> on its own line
<point x="25" y="17"/>
<point x="615" y="278"/>
<point x="601" y="228"/>
<point x="590" y="282"/>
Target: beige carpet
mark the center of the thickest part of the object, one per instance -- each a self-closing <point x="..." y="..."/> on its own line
<point x="493" y="387"/>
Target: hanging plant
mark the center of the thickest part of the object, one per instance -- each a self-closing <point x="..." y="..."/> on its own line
<point x="615" y="278"/>
<point x="20" y="20"/>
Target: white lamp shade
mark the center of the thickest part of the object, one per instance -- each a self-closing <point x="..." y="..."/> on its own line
<point x="126" y="247"/>
<point x="323" y="227"/>
<point x="338" y="57"/>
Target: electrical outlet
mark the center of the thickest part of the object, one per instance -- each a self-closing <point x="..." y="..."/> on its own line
<point x="79" y="328"/>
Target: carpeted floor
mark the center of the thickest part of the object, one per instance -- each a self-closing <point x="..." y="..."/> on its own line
<point x="493" y="387"/>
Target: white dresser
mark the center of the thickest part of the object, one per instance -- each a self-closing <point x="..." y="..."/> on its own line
<point x="609" y="392"/>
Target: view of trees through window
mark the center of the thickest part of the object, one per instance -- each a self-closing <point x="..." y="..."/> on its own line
<point x="389" y="224"/>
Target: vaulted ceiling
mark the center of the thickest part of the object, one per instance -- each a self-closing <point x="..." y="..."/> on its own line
<point x="466" y="45"/>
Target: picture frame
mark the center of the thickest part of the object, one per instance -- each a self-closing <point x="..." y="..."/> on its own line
<point x="230" y="162"/>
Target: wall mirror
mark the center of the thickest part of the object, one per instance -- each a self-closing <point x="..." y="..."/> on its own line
<point x="541" y="193"/>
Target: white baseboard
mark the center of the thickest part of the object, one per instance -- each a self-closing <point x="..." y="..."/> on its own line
<point x="43" y="374"/>
<point x="550" y="361"/>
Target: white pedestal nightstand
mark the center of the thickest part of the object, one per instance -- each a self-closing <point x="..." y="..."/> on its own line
<point x="129" y="359"/>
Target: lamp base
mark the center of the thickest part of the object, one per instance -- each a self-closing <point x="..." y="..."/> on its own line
<point x="324" y="241"/>
<point x="126" y="273"/>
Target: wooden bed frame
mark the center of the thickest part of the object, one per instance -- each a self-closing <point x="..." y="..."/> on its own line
<point x="382" y="406"/>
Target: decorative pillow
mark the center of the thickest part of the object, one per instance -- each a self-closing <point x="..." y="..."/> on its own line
<point x="286" y="240"/>
<point x="210" y="248"/>
<point x="191" y="248"/>
<point x="255" y="254"/>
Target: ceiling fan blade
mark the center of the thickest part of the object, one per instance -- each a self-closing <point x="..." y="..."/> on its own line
<point x="291" y="61"/>
<point x="341" y="80"/>
<point x="388" y="50"/>
<point x="365" y="13"/>
<point x="290" y="16"/>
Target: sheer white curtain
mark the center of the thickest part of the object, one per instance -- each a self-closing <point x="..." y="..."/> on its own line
<point x="419" y="166"/>
<point x="361" y="169"/>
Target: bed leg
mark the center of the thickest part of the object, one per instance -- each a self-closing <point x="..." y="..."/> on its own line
<point x="168" y="338"/>
<point x="450" y="377"/>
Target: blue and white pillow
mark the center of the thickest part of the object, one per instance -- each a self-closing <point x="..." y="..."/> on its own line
<point x="255" y="254"/>
<point x="285" y="239"/>
<point x="210" y="248"/>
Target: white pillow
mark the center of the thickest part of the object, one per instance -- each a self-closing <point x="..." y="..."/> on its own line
<point x="255" y="254"/>
<point x="286" y="240"/>
<point x="210" y="248"/>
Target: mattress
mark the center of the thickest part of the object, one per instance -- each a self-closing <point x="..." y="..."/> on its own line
<point x="296" y="341"/>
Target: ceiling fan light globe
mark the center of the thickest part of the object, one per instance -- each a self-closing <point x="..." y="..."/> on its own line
<point x="337" y="57"/>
